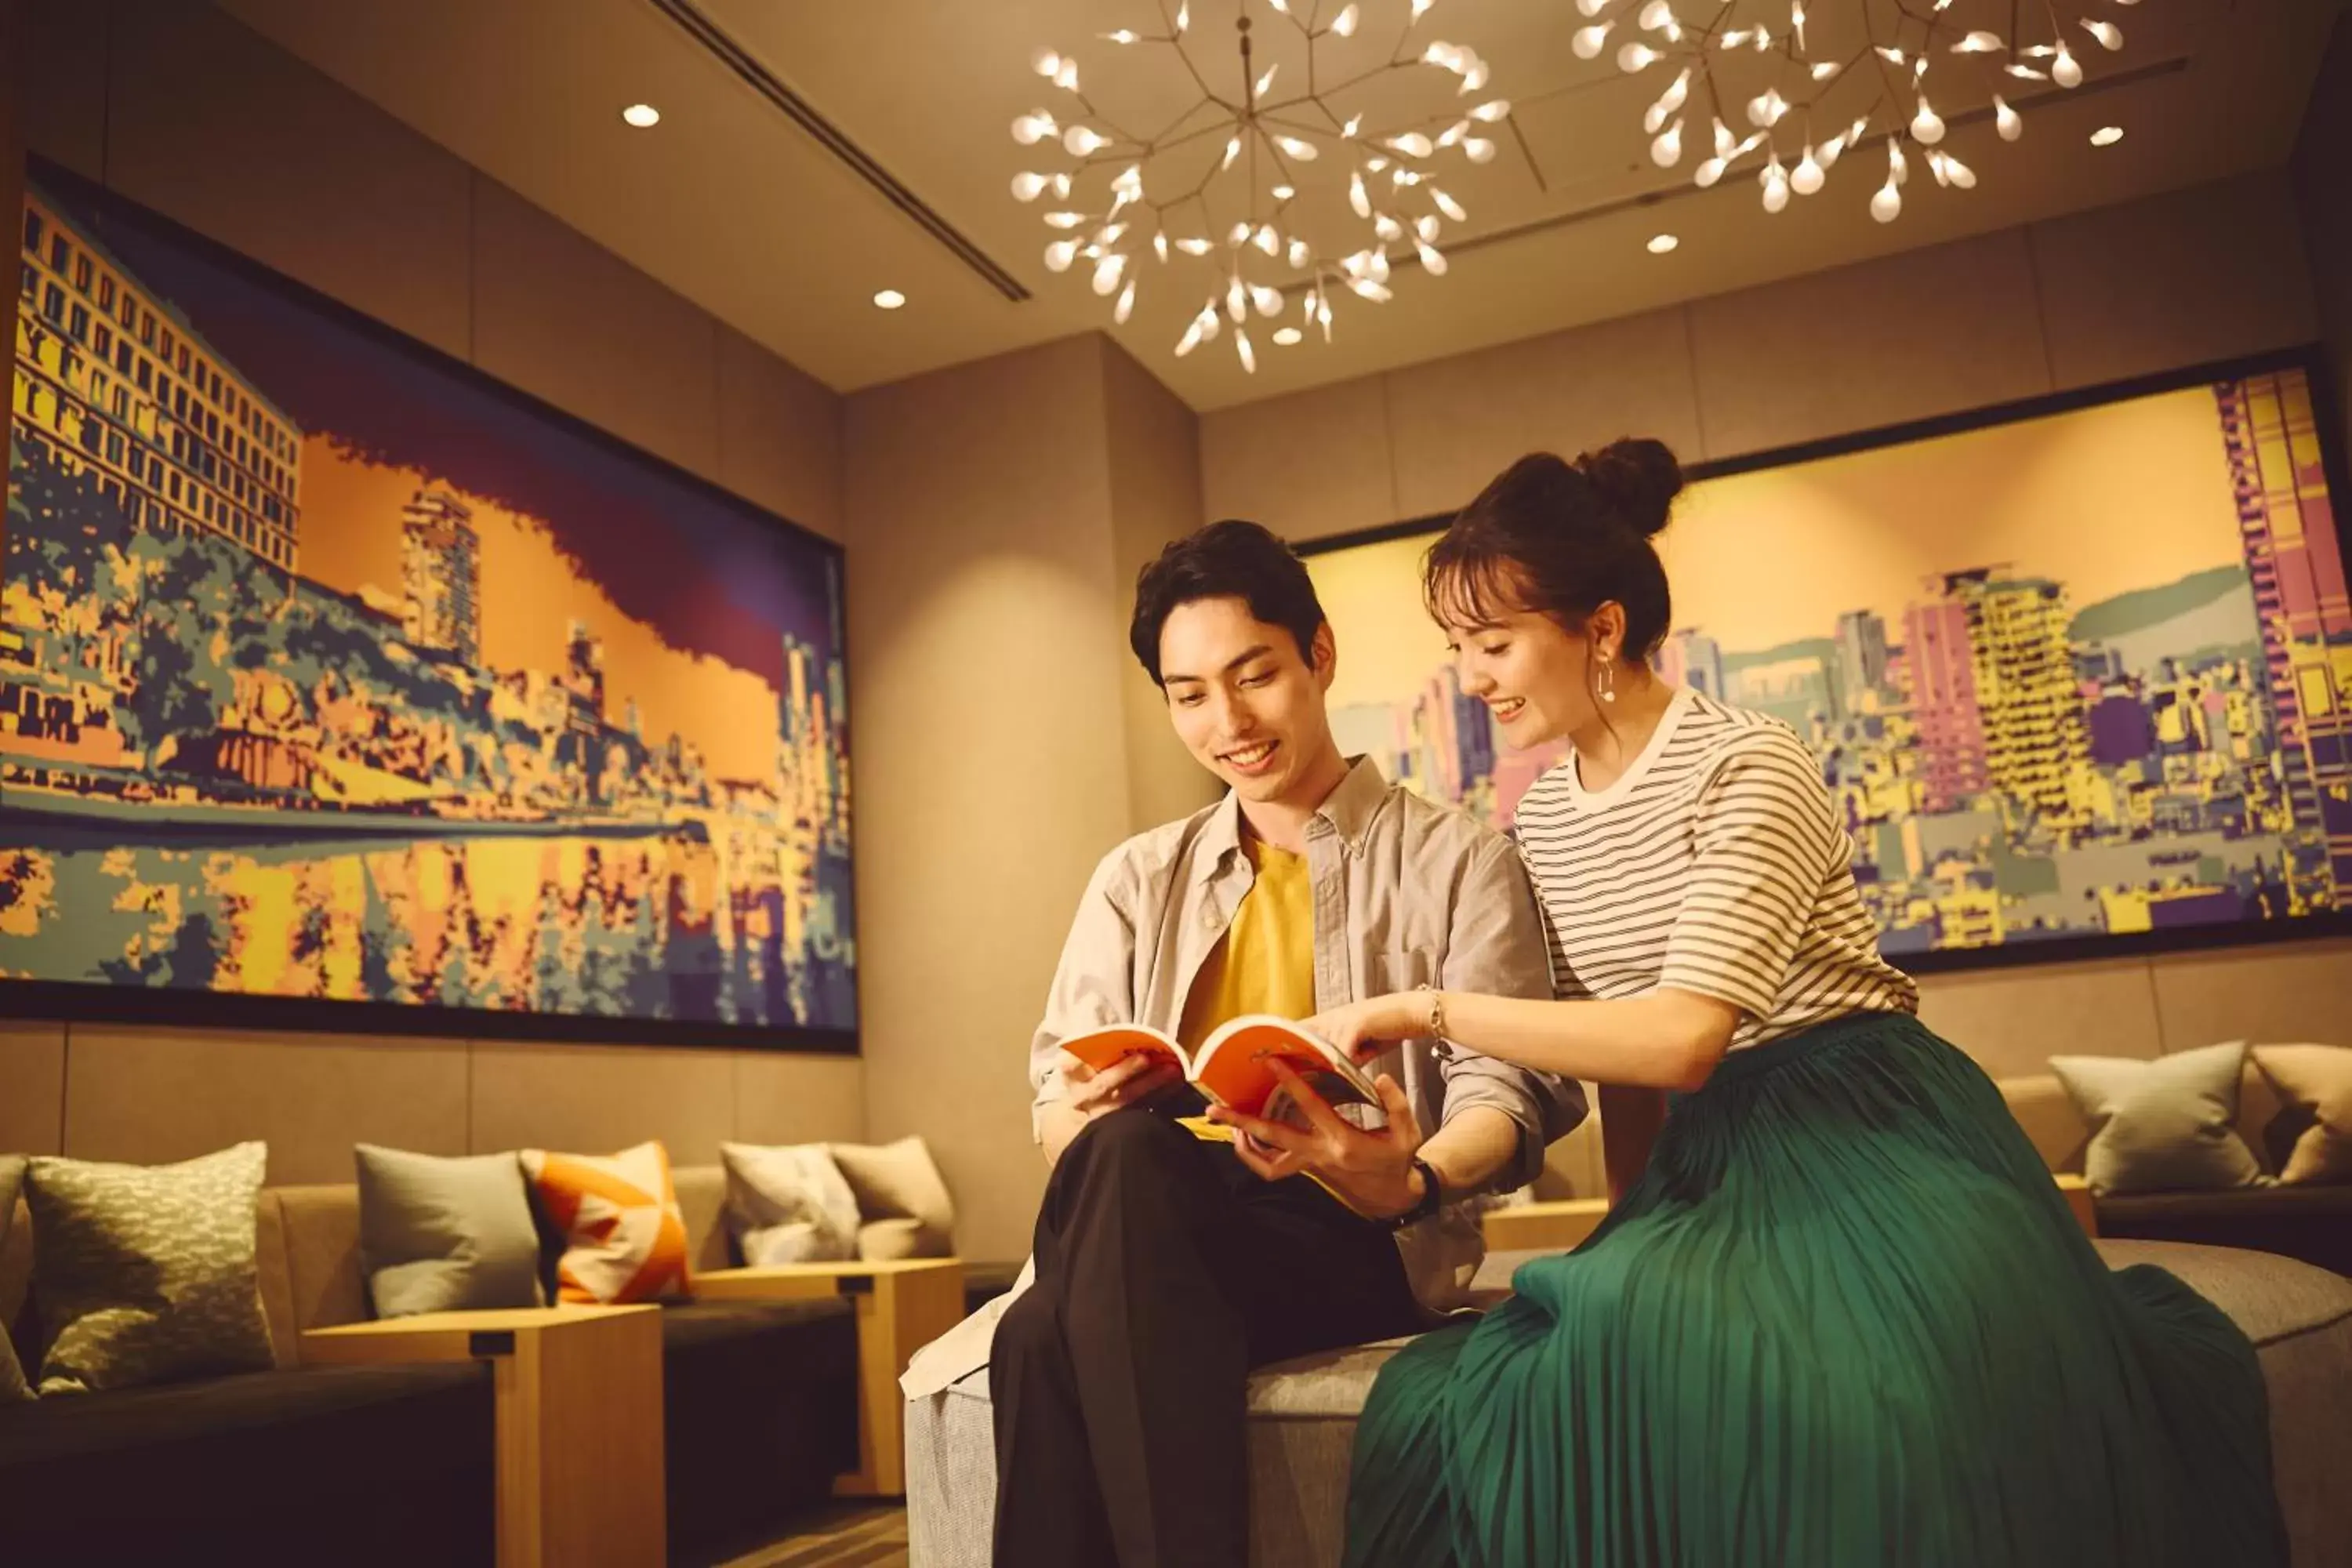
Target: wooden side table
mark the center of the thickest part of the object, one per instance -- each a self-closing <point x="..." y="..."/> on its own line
<point x="578" y="1402"/>
<point x="1553" y="1224"/>
<point x="902" y="1306"/>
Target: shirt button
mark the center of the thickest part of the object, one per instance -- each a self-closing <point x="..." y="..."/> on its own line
<point x="1209" y="915"/>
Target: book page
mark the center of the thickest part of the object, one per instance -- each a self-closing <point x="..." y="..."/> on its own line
<point x="1233" y="1068"/>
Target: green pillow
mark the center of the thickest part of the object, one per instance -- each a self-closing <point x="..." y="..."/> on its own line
<point x="440" y="1234"/>
<point x="13" y="1387"/>
<point x="2162" y="1126"/>
<point x="146" y="1274"/>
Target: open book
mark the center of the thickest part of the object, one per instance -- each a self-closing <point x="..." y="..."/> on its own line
<point x="1231" y="1067"/>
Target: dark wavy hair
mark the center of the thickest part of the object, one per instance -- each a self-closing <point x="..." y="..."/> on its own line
<point x="1563" y="538"/>
<point x="1228" y="560"/>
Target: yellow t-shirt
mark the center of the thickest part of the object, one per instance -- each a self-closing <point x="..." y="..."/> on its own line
<point x="1265" y="962"/>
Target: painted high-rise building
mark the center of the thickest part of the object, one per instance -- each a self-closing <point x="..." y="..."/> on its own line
<point x="1861" y="657"/>
<point x="112" y="382"/>
<point x="2288" y="523"/>
<point x="1690" y="658"/>
<point x="1940" y="661"/>
<point x="441" y="576"/>
<point x="584" y="673"/>
<point x="2026" y="688"/>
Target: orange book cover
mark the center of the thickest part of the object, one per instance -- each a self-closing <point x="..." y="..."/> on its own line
<point x="1232" y="1066"/>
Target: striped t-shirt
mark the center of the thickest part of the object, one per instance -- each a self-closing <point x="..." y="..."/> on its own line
<point x="1715" y="864"/>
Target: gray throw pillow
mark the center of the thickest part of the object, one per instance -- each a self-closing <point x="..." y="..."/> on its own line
<point x="439" y="1235"/>
<point x="146" y="1273"/>
<point x="2162" y="1126"/>
<point x="13" y="1387"/>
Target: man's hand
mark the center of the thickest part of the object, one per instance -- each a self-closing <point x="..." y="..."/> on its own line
<point x="1088" y="1094"/>
<point x="1372" y="1171"/>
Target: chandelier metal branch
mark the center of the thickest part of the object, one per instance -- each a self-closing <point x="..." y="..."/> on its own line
<point x="1223" y="189"/>
<point x="1881" y="87"/>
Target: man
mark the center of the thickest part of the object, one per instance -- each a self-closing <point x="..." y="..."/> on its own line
<point x="1167" y="1266"/>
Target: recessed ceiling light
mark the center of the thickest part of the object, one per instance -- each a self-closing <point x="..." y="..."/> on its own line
<point x="1661" y="243"/>
<point x="2106" y="135"/>
<point x="1286" y="336"/>
<point x="643" y="116"/>
<point x="889" y="298"/>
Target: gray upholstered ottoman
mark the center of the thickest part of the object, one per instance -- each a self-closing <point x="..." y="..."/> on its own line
<point x="1303" y="1420"/>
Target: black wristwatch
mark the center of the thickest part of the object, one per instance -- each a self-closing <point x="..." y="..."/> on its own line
<point x="1432" y="1198"/>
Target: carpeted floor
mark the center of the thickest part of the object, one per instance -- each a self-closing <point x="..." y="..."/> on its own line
<point x="851" y="1535"/>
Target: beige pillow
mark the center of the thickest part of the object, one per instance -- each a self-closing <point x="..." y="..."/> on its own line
<point x="2315" y="1082"/>
<point x="2162" y="1126"/>
<point x="898" y="1181"/>
<point x="146" y="1274"/>
<point x="788" y="1203"/>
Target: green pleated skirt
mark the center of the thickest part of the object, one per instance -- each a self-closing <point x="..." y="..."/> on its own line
<point x="1845" y="1317"/>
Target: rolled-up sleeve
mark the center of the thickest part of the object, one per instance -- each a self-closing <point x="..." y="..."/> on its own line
<point x="1094" y="983"/>
<point x="1498" y="948"/>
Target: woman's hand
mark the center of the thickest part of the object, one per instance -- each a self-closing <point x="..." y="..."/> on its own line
<point x="1362" y="1029"/>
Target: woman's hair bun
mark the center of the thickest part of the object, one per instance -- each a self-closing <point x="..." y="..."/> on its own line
<point x="1639" y="479"/>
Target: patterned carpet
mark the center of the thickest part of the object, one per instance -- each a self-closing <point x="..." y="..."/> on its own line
<point x="851" y="1535"/>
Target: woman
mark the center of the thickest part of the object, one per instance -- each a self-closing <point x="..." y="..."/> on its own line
<point x="1842" y="1316"/>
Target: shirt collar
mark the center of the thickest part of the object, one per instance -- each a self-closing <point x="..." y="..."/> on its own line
<point x="1350" y="809"/>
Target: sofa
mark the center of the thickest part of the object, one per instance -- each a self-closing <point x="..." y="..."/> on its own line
<point x="2310" y="1222"/>
<point x="1302" y="1420"/>
<point x="386" y="1459"/>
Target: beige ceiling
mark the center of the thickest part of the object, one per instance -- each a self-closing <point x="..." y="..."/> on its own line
<point x="739" y="209"/>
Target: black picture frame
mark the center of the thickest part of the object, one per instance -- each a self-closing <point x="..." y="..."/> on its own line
<point x="2311" y="359"/>
<point x="89" y="1002"/>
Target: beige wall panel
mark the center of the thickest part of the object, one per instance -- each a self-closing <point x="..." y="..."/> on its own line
<point x="576" y="325"/>
<point x="32" y="1086"/>
<point x="2265" y="995"/>
<point x="152" y="1095"/>
<point x="1459" y="422"/>
<point x="785" y="1098"/>
<point x="596" y="1099"/>
<point x="1931" y="332"/>
<point x="986" y="640"/>
<point x="779" y="435"/>
<point x="2012" y="1021"/>
<point x="1155" y="489"/>
<point x="212" y="126"/>
<point x="2203" y="274"/>
<point x="1308" y="465"/>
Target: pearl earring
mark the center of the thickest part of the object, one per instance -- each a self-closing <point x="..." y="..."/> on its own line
<point x="1609" y="682"/>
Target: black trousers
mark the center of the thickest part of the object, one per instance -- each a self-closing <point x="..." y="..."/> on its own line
<point x="1166" y="1271"/>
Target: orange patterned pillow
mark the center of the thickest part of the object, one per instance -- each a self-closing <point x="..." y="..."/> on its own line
<point x="623" y="1236"/>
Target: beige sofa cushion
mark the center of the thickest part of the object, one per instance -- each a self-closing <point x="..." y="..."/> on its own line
<point x="276" y="1284"/>
<point x="14" y="1385"/>
<point x="2043" y="1108"/>
<point x="2059" y="1134"/>
<point x="324" y="1285"/>
<point x="702" y="1199"/>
